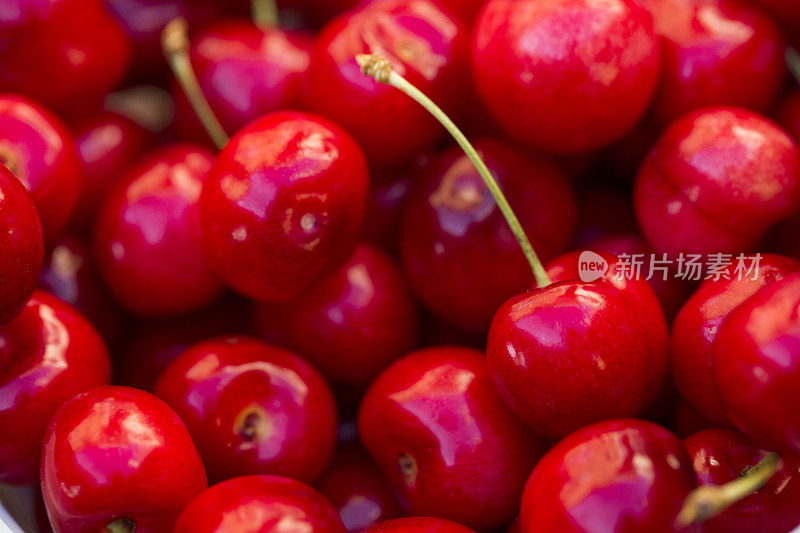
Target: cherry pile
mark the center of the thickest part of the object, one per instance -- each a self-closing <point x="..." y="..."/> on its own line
<point x="316" y="266"/>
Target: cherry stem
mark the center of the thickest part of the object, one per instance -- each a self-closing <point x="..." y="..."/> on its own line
<point x="381" y="70"/>
<point x="122" y="525"/>
<point x="793" y="63"/>
<point x="265" y="14"/>
<point x="710" y="500"/>
<point x="175" y="43"/>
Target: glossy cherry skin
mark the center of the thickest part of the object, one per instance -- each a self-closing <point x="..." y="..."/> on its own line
<point x="460" y="256"/>
<point x="565" y="75"/>
<point x="715" y="181"/>
<point x="444" y="440"/>
<point x="48" y="354"/>
<point x="266" y="504"/>
<point x="39" y="150"/>
<point x="574" y="353"/>
<point x="418" y="524"/>
<point x="623" y="476"/>
<point x="757" y="365"/>
<point x="115" y="453"/>
<point x="353" y="323"/>
<point x="68" y="66"/>
<point x="252" y="408"/>
<point x="425" y="45"/>
<point x="283" y="205"/>
<point x="148" y="240"/>
<point x="698" y="323"/>
<point x="21" y="246"/>
<point x="715" y="53"/>
<point x="354" y="486"/>
<point x="106" y="143"/>
<point x="720" y="456"/>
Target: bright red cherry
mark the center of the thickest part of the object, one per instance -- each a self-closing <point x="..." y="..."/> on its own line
<point x="118" y="458"/>
<point x="425" y="45"/>
<point x="565" y="75"/>
<point x="252" y="408"/>
<point x="354" y="486"/>
<point x="283" y="205"/>
<point x="574" y="352"/>
<point x="621" y="476"/>
<point x="418" y="524"/>
<point x="266" y="504"/>
<point x="696" y="327"/>
<point x="39" y="150"/>
<point x="21" y="246"/>
<point x="65" y="53"/>
<point x="756" y="364"/>
<point x="353" y="323"/>
<point x="148" y="241"/>
<point x="48" y="354"/>
<point x="444" y="440"/>
<point x="720" y="456"/>
<point x="458" y="252"/>
<point x="715" y="181"/>
<point x="107" y="143"/>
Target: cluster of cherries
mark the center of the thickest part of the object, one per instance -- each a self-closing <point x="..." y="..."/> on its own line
<point x="338" y="321"/>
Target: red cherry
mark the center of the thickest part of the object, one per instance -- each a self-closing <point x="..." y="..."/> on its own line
<point x="757" y="368"/>
<point x="148" y="241"/>
<point x="425" y="45"/>
<point x="66" y="53"/>
<point x="252" y="408"/>
<point x="714" y="53"/>
<point x="417" y="524"/>
<point x="353" y="323"/>
<point x="354" y="486"/>
<point x="37" y="148"/>
<point x="565" y="75"/>
<point x="698" y="323"/>
<point x="267" y="504"/>
<point x="786" y="12"/>
<point x="107" y="143"/>
<point x="720" y="456"/>
<point x="116" y="455"/>
<point x="621" y="476"/>
<point x="574" y="353"/>
<point x="48" y="354"/>
<point x="459" y="254"/>
<point x="21" y="246"/>
<point x="283" y="205"/>
<point x="444" y="440"/>
<point x="715" y="181"/>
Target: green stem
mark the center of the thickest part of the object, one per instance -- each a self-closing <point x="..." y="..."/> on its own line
<point x="381" y="70"/>
<point x="175" y="43"/>
<point x="265" y="14"/>
<point x="793" y="63"/>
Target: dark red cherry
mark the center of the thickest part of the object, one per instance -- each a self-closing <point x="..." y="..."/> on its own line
<point x="354" y="486"/>
<point x="48" y="354"/>
<point x="696" y="327"/>
<point x="425" y="45"/>
<point x="266" y="504"/>
<point x="353" y="323"/>
<point x="715" y="53"/>
<point x="756" y="364"/>
<point x="444" y="440"/>
<point x="21" y="246"/>
<point x="621" y="476"/>
<point x="252" y="408"/>
<point x="418" y="524"/>
<point x="720" y="456"/>
<point x="385" y="206"/>
<point x="65" y="53"/>
<point x="579" y="352"/>
<point x="565" y="75"/>
<point x="118" y="458"/>
<point x="39" y="150"/>
<point x="458" y="253"/>
<point x="715" y="181"/>
<point x="147" y="238"/>
<point x="786" y="12"/>
<point x="107" y="143"/>
<point x="283" y="206"/>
